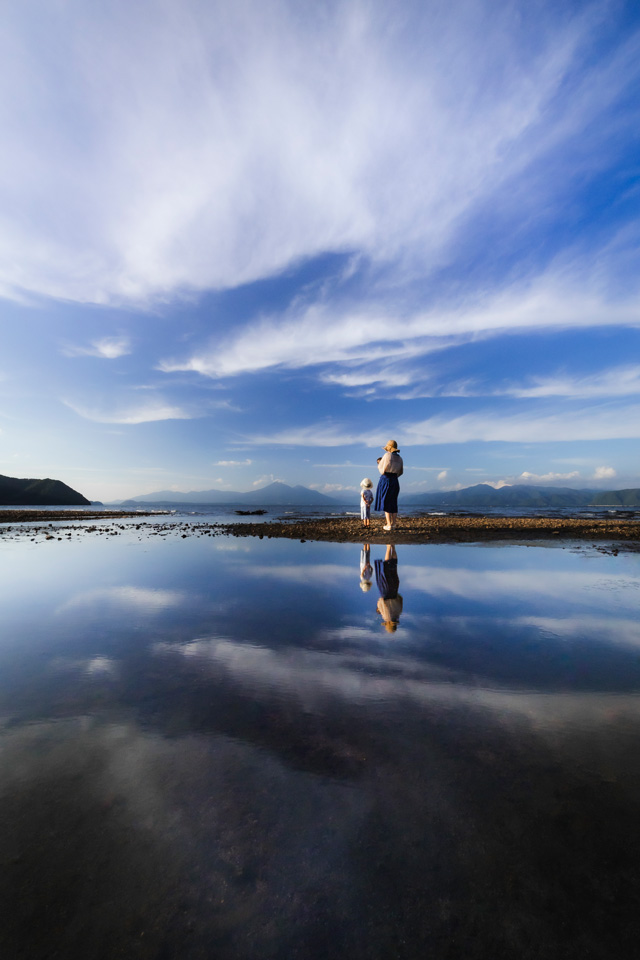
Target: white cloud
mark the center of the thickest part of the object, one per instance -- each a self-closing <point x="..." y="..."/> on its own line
<point x="210" y="144"/>
<point x="528" y="477"/>
<point x="143" y="413"/>
<point x="266" y="478"/>
<point x="547" y="477"/>
<point x="108" y="348"/>
<point x="589" y="423"/>
<point x="233" y="463"/>
<point x="595" y="422"/>
<point x="317" y="435"/>
<point x="341" y="466"/>
<point x="442" y="476"/>
<point x="604" y="473"/>
<point x="363" y="376"/>
<point x="613" y="382"/>
<point x="366" y="337"/>
<point x="332" y="488"/>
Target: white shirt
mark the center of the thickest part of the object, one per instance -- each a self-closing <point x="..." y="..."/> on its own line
<point x="391" y="463"/>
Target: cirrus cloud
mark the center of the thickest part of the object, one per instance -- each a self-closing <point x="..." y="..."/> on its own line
<point x="211" y="144"/>
<point x="108" y="348"/>
<point x="148" y="412"/>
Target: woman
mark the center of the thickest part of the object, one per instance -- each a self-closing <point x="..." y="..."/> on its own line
<point x="391" y="467"/>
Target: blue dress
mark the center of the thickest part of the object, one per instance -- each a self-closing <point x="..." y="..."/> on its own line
<point x="387" y="493"/>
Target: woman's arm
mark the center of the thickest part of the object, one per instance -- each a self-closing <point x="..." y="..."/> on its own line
<point x="384" y="462"/>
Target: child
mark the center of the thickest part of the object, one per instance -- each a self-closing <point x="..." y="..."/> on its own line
<point x="366" y="499"/>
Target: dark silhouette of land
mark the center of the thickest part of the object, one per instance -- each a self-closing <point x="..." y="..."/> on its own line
<point x="34" y="493"/>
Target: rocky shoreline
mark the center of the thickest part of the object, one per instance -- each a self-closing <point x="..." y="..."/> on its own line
<point x="10" y="515"/>
<point x="446" y="529"/>
<point x="617" y="532"/>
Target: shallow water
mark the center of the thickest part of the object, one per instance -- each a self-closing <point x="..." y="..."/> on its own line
<point x="214" y="748"/>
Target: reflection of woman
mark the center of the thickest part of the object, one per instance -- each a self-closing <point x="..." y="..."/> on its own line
<point x="366" y="570"/>
<point x="391" y="467"/>
<point x="390" y="602"/>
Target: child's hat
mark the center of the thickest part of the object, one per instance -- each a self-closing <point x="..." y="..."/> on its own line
<point x="366" y="482"/>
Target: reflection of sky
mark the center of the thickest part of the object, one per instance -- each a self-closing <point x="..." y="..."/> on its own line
<point x="506" y="616"/>
<point x="232" y="737"/>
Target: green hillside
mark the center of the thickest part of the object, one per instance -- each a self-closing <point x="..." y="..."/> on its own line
<point x="15" y="492"/>
<point x="617" y="498"/>
<point x="518" y="495"/>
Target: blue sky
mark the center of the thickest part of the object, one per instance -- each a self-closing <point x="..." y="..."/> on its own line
<point x="255" y="240"/>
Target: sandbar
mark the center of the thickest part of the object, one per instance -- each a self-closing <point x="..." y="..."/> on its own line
<point x="445" y="529"/>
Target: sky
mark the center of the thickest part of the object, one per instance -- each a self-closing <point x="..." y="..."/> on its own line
<point x="255" y="240"/>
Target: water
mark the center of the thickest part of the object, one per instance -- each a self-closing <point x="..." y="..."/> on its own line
<point x="228" y="513"/>
<point x="214" y="747"/>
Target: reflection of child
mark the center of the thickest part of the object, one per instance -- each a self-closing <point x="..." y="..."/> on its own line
<point x="366" y="499"/>
<point x="366" y="570"/>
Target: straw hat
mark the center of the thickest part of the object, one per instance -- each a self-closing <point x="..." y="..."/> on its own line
<point x="366" y="482"/>
<point x="390" y="446"/>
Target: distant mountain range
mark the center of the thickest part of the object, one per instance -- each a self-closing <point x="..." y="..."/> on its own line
<point x="16" y="492"/>
<point x="274" y="494"/>
<point x="479" y="496"/>
<point x="522" y="495"/>
<point x="30" y="492"/>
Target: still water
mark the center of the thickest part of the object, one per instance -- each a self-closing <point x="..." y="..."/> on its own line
<point x="236" y="748"/>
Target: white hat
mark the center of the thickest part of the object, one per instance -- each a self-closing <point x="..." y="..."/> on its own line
<point x="366" y="482"/>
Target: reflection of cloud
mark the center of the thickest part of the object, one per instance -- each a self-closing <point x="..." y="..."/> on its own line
<point x="619" y="632"/>
<point x="326" y="574"/>
<point x="97" y="667"/>
<point x="143" y="599"/>
<point x="486" y="586"/>
<point x="515" y="586"/>
<point x="309" y="677"/>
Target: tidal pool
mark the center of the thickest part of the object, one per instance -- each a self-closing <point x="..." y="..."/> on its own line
<point x="236" y="748"/>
